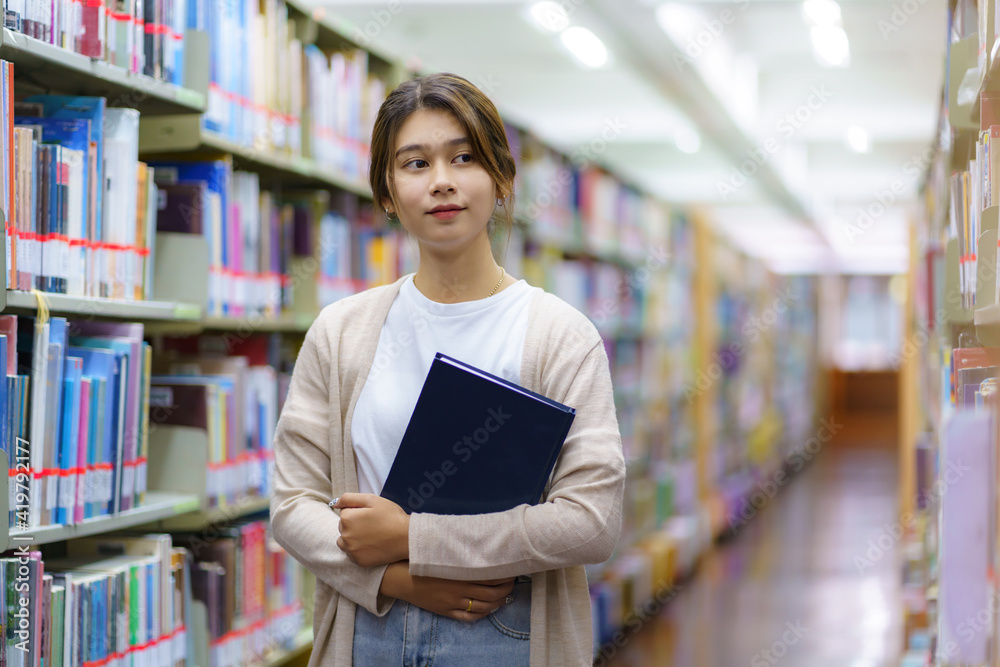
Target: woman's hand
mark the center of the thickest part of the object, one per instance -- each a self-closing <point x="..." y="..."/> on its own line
<point x="373" y="530"/>
<point x="444" y="596"/>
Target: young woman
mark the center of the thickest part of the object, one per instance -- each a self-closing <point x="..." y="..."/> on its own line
<point x="499" y="589"/>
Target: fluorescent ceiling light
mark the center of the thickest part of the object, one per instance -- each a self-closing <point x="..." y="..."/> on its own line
<point x="857" y="139"/>
<point x="585" y="45"/>
<point x="688" y="140"/>
<point x="831" y="45"/>
<point x="821" y="12"/>
<point x="678" y="21"/>
<point x="550" y="16"/>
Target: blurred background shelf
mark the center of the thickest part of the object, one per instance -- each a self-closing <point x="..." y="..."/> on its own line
<point x="164" y="137"/>
<point x="77" y="307"/>
<point x="49" y="67"/>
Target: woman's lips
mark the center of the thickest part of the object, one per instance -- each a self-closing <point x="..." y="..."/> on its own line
<point x="447" y="214"/>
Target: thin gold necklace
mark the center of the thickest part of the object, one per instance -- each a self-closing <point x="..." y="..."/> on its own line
<point x="503" y="274"/>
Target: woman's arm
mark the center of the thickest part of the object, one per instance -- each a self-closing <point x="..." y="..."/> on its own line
<point x="578" y="524"/>
<point x="301" y="520"/>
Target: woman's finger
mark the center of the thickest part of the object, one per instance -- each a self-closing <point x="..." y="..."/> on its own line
<point x="493" y="593"/>
<point x="493" y="582"/>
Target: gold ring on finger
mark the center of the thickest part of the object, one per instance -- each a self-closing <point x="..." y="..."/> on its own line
<point x="470" y="605"/>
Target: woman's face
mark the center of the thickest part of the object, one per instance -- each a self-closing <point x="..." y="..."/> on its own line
<point x="444" y="196"/>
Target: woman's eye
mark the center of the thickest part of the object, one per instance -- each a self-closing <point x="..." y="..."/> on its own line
<point x="417" y="164"/>
<point x="464" y="158"/>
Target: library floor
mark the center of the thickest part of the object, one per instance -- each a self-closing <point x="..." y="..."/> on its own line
<point x="786" y="589"/>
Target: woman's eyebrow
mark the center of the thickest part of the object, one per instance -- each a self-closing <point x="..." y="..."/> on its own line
<point x="421" y="147"/>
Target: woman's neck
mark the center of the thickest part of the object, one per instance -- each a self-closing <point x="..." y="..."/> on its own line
<point x="468" y="276"/>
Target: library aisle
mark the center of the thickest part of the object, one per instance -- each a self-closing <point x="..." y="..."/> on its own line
<point x="788" y="588"/>
<point x="783" y="367"/>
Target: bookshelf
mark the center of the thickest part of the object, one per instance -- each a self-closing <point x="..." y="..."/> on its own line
<point x="158" y="505"/>
<point x="163" y="137"/>
<point x="673" y="510"/>
<point x="939" y="321"/>
<point x="136" y="311"/>
<point x="50" y="67"/>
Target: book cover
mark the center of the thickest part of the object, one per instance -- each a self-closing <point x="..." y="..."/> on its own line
<point x="93" y="110"/>
<point x="475" y="443"/>
<point x="53" y="410"/>
<point x="102" y="366"/>
<point x="69" y="440"/>
<point x="124" y="338"/>
<point x="84" y="473"/>
<point x="33" y="340"/>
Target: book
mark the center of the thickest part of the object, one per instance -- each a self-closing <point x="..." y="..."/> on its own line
<point x="475" y="443"/>
<point x="126" y="339"/>
<point x="103" y="367"/>
<point x="181" y="207"/>
<point x="121" y="158"/>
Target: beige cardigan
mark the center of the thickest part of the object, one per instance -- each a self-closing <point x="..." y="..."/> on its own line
<point x="578" y="523"/>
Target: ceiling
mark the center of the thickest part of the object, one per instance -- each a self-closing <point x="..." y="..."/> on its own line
<point x="753" y="88"/>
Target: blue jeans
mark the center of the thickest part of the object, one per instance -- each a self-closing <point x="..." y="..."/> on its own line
<point x="409" y="636"/>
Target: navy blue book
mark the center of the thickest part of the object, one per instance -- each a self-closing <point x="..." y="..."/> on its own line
<point x="475" y="444"/>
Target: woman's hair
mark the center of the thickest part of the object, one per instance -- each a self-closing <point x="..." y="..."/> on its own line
<point x="474" y="112"/>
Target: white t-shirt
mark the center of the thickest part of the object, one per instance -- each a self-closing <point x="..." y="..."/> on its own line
<point x="487" y="333"/>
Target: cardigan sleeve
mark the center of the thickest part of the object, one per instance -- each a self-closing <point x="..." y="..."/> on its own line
<point x="301" y="520"/>
<point x="580" y="520"/>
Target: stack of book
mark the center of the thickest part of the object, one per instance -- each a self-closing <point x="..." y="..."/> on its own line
<point x="255" y="93"/>
<point x="258" y="240"/>
<point x="252" y="590"/>
<point x="144" y="37"/>
<point x="64" y="232"/>
<point x="76" y="427"/>
<point x="109" y="599"/>
<point x="230" y="387"/>
<point x="248" y="234"/>
<point x="127" y="599"/>
<point x="263" y="81"/>
<point x="341" y="99"/>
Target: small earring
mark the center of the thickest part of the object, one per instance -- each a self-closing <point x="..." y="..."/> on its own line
<point x="389" y="215"/>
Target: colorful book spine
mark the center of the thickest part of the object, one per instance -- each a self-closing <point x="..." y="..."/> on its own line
<point x="65" y="236"/>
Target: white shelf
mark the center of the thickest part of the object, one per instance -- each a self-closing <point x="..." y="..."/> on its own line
<point x="140" y="311"/>
<point x="302" y="643"/>
<point x="55" y="68"/>
<point x="285" y="323"/>
<point x="158" y="505"/>
<point x="199" y="519"/>
<point x="164" y="136"/>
